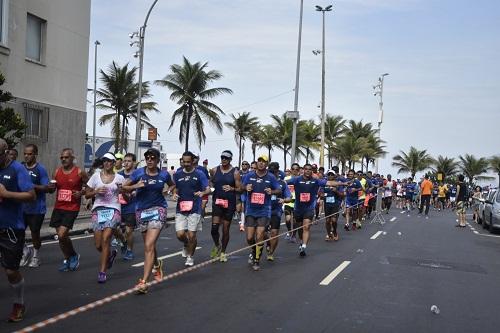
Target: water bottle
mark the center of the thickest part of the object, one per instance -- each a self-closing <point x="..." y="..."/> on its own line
<point x="435" y="309"/>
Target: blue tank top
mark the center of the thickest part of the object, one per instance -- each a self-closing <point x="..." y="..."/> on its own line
<point x="220" y="179"/>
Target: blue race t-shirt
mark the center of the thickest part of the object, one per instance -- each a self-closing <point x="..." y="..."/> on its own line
<point x="14" y="178"/>
<point x="151" y="195"/>
<point x="276" y="206"/>
<point x="352" y="192"/>
<point x="410" y="189"/>
<point x="306" y="191"/>
<point x="39" y="176"/>
<point x="187" y="183"/>
<point x="130" y="206"/>
<point x="258" y="202"/>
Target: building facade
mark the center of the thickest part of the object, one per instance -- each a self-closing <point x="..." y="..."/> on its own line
<point x="44" y="51"/>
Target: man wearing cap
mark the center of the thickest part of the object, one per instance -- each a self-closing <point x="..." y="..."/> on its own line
<point x="190" y="186"/>
<point x="15" y="188"/>
<point x="306" y="191"/>
<point x="118" y="163"/>
<point x="259" y="185"/>
<point x="70" y="182"/>
<point x="226" y="181"/>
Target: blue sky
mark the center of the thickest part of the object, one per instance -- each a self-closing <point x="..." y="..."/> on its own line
<point x="442" y="56"/>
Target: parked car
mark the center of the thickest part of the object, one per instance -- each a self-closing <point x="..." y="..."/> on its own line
<point x="491" y="213"/>
<point x="482" y="203"/>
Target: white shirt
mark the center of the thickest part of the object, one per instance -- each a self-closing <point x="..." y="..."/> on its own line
<point x="110" y="198"/>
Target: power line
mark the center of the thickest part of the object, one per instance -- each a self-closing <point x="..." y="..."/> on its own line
<point x="260" y="101"/>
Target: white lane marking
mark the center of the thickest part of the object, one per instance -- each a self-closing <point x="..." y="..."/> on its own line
<point x="402" y="212"/>
<point x="164" y="257"/>
<point x="393" y="219"/>
<point x="57" y="242"/>
<point x="329" y="278"/>
<point x="476" y="232"/>
<point x="376" y="235"/>
<point x="486" y="235"/>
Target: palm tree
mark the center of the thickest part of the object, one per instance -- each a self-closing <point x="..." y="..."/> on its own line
<point x="242" y="125"/>
<point x="311" y="134"/>
<point x="473" y="167"/>
<point x="334" y="128"/>
<point x="448" y="166"/>
<point x="283" y="126"/>
<point x="255" y="136"/>
<point x="358" y="129"/>
<point x="348" y="149"/>
<point x="374" y="149"/>
<point x="189" y="84"/>
<point x="495" y="166"/>
<point x="268" y="139"/>
<point x="120" y="96"/>
<point x="412" y="162"/>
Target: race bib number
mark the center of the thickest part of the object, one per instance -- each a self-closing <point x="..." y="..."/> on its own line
<point x="257" y="198"/>
<point x="222" y="202"/>
<point x="305" y="197"/>
<point x="64" y="195"/>
<point x="185" y="206"/>
<point x="121" y="199"/>
<point x="150" y="215"/>
<point x="105" y="215"/>
<point x="273" y="197"/>
<point x="330" y="200"/>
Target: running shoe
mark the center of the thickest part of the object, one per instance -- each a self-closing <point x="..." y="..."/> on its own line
<point x="293" y="239"/>
<point x="17" y="314"/>
<point x="346" y="227"/>
<point x="158" y="270"/>
<point x="302" y="251"/>
<point x="250" y="258"/>
<point x="65" y="266"/>
<point x="329" y="237"/>
<point x="35" y="262"/>
<point x="336" y="237"/>
<point x="27" y="255"/>
<point x="74" y="262"/>
<point x="189" y="262"/>
<point x="112" y="257"/>
<point x="215" y="252"/>
<point x="101" y="277"/>
<point x="288" y="236"/>
<point x="141" y="287"/>
<point x="129" y="255"/>
<point x="115" y="242"/>
<point x="255" y="265"/>
<point x="123" y="248"/>
<point x="223" y="257"/>
<point x="270" y="257"/>
<point x="242" y="227"/>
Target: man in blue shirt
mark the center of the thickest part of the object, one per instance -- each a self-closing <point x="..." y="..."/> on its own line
<point x="351" y="199"/>
<point x="34" y="212"/>
<point x="128" y="205"/>
<point x="190" y="186"/>
<point x="15" y="188"/>
<point x="259" y="185"/>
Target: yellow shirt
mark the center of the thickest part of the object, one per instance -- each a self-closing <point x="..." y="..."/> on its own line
<point x="442" y="191"/>
<point x="362" y="193"/>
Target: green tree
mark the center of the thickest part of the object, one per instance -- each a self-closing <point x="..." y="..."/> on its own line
<point x="242" y="125"/>
<point x="374" y="149"/>
<point x="413" y="161"/>
<point x="120" y="95"/>
<point x="11" y="125"/>
<point x="189" y="84"/>
<point x="473" y="167"/>
<point x="348" y="150"/>
<point x="310" y="134"/>
<point x="334" y="129"/>
<point x="268" y="139"/>
<point x="283" y="126"/>
<point x="448" y="166"/>
<point x="255" y="137"/>
<point x="495" y="166"/>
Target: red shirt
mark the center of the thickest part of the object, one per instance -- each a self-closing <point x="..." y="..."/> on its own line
<point x="67" y="183"/>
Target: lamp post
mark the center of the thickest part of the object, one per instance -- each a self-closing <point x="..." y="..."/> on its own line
<point x="140" y="53"/>
<point x="322" y="149"/>
<point x="297" y="75"/>
<point x="380" y="93"/>
<point x="96" y="43"/>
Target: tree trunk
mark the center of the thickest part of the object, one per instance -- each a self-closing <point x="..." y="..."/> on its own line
<point x="307" y="155"/>
<point x="254" y="150"/>
<point x="269" y="152"/>
<point x="123" y="136"/>
<point x="239" y="152"/>
<point x="117" y="127"/>
<point x="284" y="157"/>
<point x="188" y="126"/>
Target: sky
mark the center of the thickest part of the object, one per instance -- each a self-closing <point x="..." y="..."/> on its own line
<point x="442" y="92"/>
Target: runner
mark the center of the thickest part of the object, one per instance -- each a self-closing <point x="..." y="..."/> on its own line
<point x="245" y="169"/>
<point x="306" y="189"/>
<point x="70" y="181"/>
<point x="191" y="186"/>
<point x="351" y="200"/>
<point x="289" y="207"/>
<point x="260" y="185"/>
<point x="453" y="196"/>
<point x="409" y="193"/>
<point x="13" y="154"/>
<point x="128" y="203"/>
<point x="388" y="191"/>
<point x="461" y="197"/>
<point x="15" y="188"/>
<point x="277" y="201"/>
<point x="150" y="184"/>
<point x="226" y="182"/>
<point x="442" y="190"/>
<point x="105" y="187"/>
<point x="333" y="198"/>
<point x="119" y="162"/>
<point x="204" y="170"/>
<point x="425" y="197"/>
<point x="34" y="211"/>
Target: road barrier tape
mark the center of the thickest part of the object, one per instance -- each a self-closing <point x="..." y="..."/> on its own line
<point x="122" y="294"/>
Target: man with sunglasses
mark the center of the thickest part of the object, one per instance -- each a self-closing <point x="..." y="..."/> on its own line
<point x="259" y="185"/>
<point x="70" y="181"/>
<point x="306" y="190"/>
<point x="226" y="181"/>
<point x="15" y="188"/>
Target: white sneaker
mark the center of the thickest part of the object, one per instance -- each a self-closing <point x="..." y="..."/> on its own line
<point x="35" y="262"/>
<point x="189" y="261"/>
<point x="27" y="255"/>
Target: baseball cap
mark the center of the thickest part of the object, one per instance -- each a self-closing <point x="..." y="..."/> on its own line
<point x="331" y="171"/>
<point x="119" y="156"/>
<point x="314" y="166"/>
<point x="227" y="153"/>
<point x="108" y="156"/>
<point x="263" y="157"/>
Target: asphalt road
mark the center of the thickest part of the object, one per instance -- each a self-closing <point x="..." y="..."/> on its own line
<point x="389" y="285"/>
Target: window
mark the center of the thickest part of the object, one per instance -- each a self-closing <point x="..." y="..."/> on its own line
<point x="4" y="20"/>
<point x="36" y="118"/>
<point x="34" y="38"/>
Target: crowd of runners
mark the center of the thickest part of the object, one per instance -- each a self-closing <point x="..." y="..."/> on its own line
<point x="125" y="199"/>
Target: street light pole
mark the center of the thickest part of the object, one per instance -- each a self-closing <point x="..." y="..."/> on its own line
<point x="96" y="43"/>
<point x="142" y="32"/>
<point x="322" y="148"/>
<point x="297" y="75"/>
<point x="380" y="93"/>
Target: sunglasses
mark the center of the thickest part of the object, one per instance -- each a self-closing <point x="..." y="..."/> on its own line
<point x="225" y="158"/>
<point x="245" y="164"/>
<point x="150" y="157"/>
<point x="104" y="160"/>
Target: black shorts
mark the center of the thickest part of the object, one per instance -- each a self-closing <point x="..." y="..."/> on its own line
<point x="288" y="210"/>
<point x="300" y="217"/>
<point x="331" y="209"/>
<point x="226" y="214"/>
<point x="65" y="218"/>
<point x="34" y="221"/>
<point x="129" y="220"/>
<point x="275" y="222"/>
<point x="11" y="248"/>
<point x="254" y="222"/>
